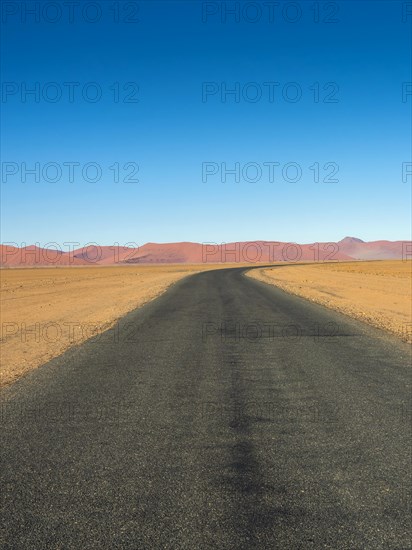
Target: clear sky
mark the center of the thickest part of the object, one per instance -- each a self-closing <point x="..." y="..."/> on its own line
<point x="315" y="85"/>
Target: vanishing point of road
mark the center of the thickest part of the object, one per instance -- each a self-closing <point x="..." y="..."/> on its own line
<point x="225" y="414"/>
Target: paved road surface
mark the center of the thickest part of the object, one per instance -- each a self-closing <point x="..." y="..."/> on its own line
<point x="226" y="414"/>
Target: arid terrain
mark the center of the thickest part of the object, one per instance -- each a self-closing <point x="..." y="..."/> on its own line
<point x="378" y="292"/>
<point x="46" y="310"/>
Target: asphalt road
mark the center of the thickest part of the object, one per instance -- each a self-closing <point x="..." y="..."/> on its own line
<point x="225" y="414"/>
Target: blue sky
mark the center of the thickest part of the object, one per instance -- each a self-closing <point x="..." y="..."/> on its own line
<point x="163" y="59"/>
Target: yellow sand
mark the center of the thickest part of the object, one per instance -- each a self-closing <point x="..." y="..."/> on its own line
<point x="379" y="292"/>
<point x="46" y="310"/>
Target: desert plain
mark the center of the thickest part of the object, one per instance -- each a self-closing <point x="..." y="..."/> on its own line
<point x="378" y="292"/>
<point x="44" y="311"/>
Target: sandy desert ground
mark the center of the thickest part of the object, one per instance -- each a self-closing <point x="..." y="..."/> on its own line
<point x="378" y="292"/>
<point x="46" y="310"/>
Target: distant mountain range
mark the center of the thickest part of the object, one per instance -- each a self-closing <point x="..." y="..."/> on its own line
<point x="349" y="248"/>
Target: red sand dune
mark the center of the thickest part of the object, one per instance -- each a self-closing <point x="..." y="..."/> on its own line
<point x="104" y="255"/>
<point x="29" y="256"/>
<point x="348" y="248"/>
